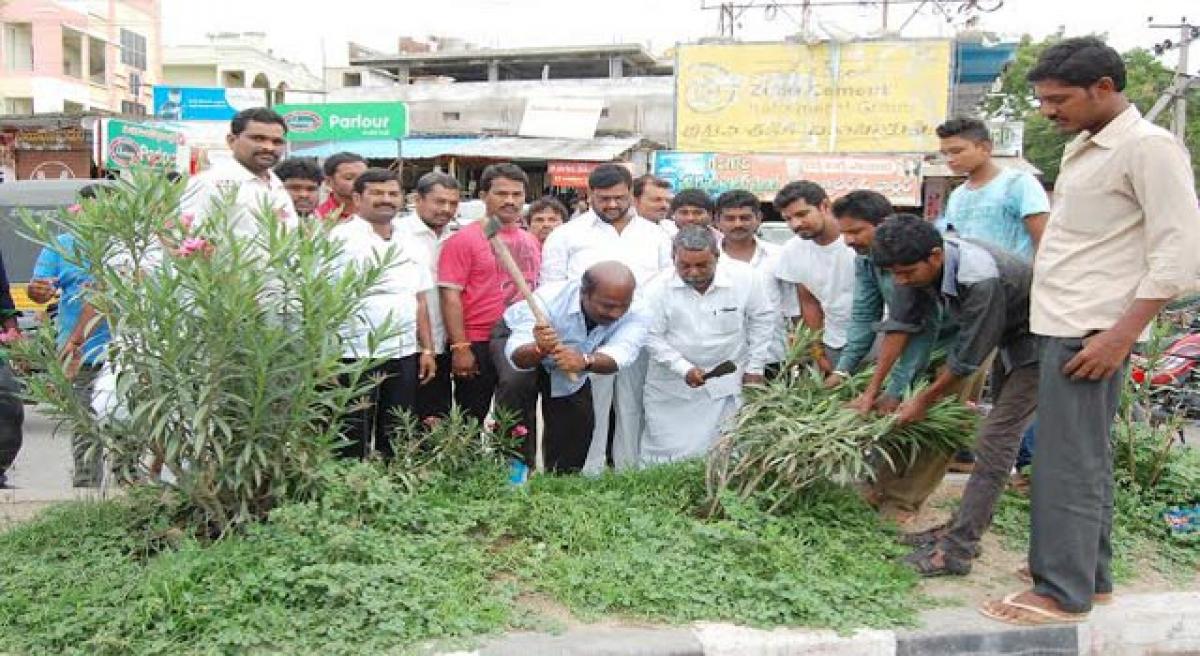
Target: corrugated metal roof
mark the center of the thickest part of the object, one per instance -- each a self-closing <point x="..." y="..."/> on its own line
<point x="601" y="149"/>
<point x="412" y="148"/>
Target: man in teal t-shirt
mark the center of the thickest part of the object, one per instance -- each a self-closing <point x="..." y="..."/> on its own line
<point x="999" y="205"/>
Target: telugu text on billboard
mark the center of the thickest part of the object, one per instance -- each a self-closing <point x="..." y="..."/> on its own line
<point x="898" y="177"/>
<point x="859" y="97"/>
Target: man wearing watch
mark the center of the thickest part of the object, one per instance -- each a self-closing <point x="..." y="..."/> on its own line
<point x="399" y="302"/>
<point x="593" y="329"/>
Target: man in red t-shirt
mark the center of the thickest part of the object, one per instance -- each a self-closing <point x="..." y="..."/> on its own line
<point x="476" y="289"/>
<point x="341" y="170"/>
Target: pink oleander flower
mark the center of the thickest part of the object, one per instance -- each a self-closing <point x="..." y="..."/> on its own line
<point x="9" y="336"/>
<point x="193" y="245"/>
<point x="186" y="220"/>
<point x="520" y="431"/>
<point x="75" y="209"/>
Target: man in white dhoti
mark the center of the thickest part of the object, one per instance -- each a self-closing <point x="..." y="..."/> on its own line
<point x="709" y="311"/>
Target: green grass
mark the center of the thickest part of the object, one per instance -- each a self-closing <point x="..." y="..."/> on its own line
<point x="370" y="569"/>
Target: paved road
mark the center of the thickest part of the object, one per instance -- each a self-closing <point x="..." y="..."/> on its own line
<point x="44" y="462"/>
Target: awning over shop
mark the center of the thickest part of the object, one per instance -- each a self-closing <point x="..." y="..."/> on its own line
<point x="939" y="169"/>
<point x="411" y="148"/>
<point x="601" y="149"/>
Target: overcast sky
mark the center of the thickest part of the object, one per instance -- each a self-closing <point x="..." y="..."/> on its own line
<point x="297" y="30"/>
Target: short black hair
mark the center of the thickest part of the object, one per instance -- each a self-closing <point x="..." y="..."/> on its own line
<point x="1079" y="62"/>
<point x="427" y="182"/>
<point x="695" y="198"/>
<point x="735" y="198"/>
<point x="507" y="170"/>
<point x="337" y="159"/>
<point x="257" y="115"/>
<point x="375" y="176"/>
<point x="299" y="168"/>
<point x="609" y="175"/>
<point x="805" y="190"/>
<point x="971" y="129"/>
<point x="904" y="239"/>
<point x="864" y="205"/>
<point x="89" y="191"/>
<point x="643" y="181"/>
<point x="547" y="203"/>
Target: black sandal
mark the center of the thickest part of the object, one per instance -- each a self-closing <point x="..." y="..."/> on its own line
<point x="925" y="538"/>
<point x="921" y="561"/>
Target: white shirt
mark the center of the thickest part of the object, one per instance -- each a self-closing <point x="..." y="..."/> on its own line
<point x="394" y="298"/>
<point x="733" y="320"/>
<point x="206" y="190"/>
<point x="780" y="293"/>
<point x="424" y="238"/>
<point x="586" y="240"/>
<point x="828" y="274"/>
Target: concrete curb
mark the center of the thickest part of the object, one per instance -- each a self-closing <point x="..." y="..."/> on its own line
<point x="1135" y="625"/>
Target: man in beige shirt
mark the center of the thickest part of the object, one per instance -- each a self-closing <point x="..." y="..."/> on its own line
<point x="1121" y="242"/>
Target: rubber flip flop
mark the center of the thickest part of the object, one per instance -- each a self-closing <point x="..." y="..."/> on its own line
<point x="1028" y="615"/>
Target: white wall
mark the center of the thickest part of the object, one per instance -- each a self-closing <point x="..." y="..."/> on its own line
<point x="190" y="76"/>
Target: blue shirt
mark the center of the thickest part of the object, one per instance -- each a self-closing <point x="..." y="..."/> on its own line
<point x="621" y="340"/>
<point x="73" y="282"/>
<point x="996" y="212"/>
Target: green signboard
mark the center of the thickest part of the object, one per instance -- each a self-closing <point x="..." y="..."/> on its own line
<point x="136" y="144"/>
<point x="345" y="121"/>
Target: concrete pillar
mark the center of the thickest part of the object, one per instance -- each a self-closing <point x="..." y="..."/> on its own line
<point x="616" y="67"/>
<point x="494" y="71"/>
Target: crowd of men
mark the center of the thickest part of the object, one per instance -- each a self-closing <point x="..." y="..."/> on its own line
<point x="652" y="310"/>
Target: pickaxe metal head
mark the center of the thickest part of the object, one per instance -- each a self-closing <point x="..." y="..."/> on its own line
<point x="491" y="226"/>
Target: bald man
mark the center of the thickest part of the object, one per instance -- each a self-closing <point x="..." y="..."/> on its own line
<point x="593" y="329"/>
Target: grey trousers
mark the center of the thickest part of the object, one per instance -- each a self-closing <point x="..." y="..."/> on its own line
<point x="12" y="418"/>
<point x="995" y="450"/>
<point x="1070" y="547"/>
<point x="88" y="466"/>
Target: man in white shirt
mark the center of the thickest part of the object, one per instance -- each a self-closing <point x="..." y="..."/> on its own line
<point x="398" y="303"/>
<point x="611" y="230"/>
<point x="739" y="216"/>
<point x="426" y="228"/>
<point x="708" y="311"/>
<point x="652" y="198"/>
<point x="820" y="263"/>
<point x="256" y="138"/>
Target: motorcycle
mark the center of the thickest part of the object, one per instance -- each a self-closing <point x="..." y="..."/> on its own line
<point x="1175" y="378"/>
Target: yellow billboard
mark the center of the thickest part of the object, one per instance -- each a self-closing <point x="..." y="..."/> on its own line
<point x="859" y="97"/>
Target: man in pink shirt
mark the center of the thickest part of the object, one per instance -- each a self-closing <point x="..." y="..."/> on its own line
<point x="475" y="288"/>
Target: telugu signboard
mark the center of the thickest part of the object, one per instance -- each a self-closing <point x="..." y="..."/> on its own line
<point x="172" y="103"/>
<point x="345" y="121"/>
<point x="896" y="176"/>
<point x="872" y="96"/>
<point x="133" y="144"/>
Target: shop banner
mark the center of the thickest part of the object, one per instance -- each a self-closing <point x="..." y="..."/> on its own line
<point x="896" y="176"/>
<point x="571" y="174"/>
<point x="132" y="144"/>
<point x="861" y="97"/>
<point x="345" y="121"/>
<point x="172" y="103"/>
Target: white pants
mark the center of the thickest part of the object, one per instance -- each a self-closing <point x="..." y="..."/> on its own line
<point x="626" y="386"/>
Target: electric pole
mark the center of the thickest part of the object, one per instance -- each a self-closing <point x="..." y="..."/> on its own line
<point x="1177" y="92"/>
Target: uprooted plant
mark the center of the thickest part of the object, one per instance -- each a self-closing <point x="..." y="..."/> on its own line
<point x="792" y="434"/>
<point x="225" y="353"/>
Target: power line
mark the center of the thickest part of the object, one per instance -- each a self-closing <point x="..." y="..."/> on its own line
<point x="1177" y="92"/>
<point x="730" y="13"/>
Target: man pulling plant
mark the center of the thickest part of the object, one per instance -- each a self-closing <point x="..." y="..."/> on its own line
<point x="592" y="330"/>
<point x="986" y="292"/>
<point x="904" y="350"/>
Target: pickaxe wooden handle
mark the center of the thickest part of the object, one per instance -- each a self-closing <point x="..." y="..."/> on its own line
<point x="518" y="278"/>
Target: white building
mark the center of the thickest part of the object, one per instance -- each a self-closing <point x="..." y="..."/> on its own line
<point x="240" y="60"/>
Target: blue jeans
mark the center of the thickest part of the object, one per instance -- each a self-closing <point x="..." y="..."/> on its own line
<point x="1025" y="455"/>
